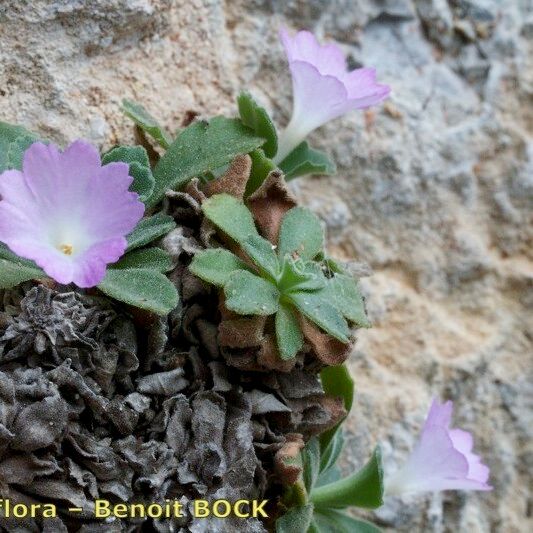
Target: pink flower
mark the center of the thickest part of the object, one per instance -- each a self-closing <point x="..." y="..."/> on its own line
<point x="322" y="87"/>
<point x="441" y="460"/>
<point x="67" y="212"/>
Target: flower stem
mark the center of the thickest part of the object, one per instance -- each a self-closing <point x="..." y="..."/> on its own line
<point x="289" y="139"/>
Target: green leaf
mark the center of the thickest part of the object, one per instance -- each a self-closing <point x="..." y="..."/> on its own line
<point x="255" y="117"/>
<point x="149" y="229"/>
<point x="289" y="335"/>
<point x="311" y="463"/>
<point x="200" y="148"/>
<point x="261" y="251"/>
<point x="17" y="148"/>
<point x="248" y="294"/>
<point x="348" y="299"/>
<point x="296" y="520"/>
<point x="331" y="452"/>
<point x="298" y="276"/>
<point x="315" y="307"/>
<point x="139" y="168"/>
<point x="127" y="154"/>
<point x="231" y="216"/>
<point x="15" y="269"/>
<point x="333" y="266"/>
<point x="336" y="381"/>
<point x="330" y="521"/>
<point x="146" y="122"/>
<point x="148" y="258"/>
<point x="262" y="166"/>
<point x="300" y="233"/>
<point x="330" y="475"/>
<point x="8" y="134"/>
<point x="362" y="489"/>
<point x="304" y="160"/>
<point x="313" y="528"/>
<point x="143" y="181"/>
<point x="216" y="265"/>
<point x="140" y="287"/>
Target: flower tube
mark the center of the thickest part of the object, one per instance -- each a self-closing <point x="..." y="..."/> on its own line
<point x="441" y="460"/>
<point x="323" y="89"/>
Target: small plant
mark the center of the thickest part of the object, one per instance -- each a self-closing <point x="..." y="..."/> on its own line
<point x="317" y="499"/>
<point x="158" y="398"/>
<point x="287" y="280"/>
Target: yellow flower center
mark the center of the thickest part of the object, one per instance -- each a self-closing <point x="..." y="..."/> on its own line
<point x="66" y="249"/>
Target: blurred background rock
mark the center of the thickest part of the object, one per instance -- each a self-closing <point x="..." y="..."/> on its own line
<point x="434" y="191"/>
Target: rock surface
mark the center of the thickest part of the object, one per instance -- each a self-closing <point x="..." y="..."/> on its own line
<point x="434" y="192"/>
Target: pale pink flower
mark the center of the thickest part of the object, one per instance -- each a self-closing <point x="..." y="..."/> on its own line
<point x="67" y="212"/>
<point x="322" y="87"/>
<point x="441" y="460"/>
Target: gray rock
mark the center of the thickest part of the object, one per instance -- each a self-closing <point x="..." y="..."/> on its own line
<point x="434" y="190"/>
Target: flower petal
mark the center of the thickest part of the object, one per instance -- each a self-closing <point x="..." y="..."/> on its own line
<point x="90" y="267"/>
<point x="464" y="442"/>
<point x="363" y="90"/>
<point x="18" y="210"/>
<point x="57" y="265"/>
<point x="304" y="46"/>
<point x="113" y="209"/>
<point x="323" y="89"/>
<point x="441" y="460"/>
<point x="316" y="100"/>
<point x="67" y="212"/>
<point x="439" y="415"/>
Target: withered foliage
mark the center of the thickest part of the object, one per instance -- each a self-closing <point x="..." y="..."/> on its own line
<point x="100" y="401"/>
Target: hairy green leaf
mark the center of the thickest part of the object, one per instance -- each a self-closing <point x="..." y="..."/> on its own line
<point x="330" y="453"/>
<point x="300" y="276"/>
<point x="362" y="489"/>
<point x="15" y="269"/>
<point x="331" y="521"/>
<point x="248" y="294"/>
<point x="143" y="181"/>
<point x="311" y="463"/>
<point x="296" y="520"/>
<point x="9" y="133"/>
<point x="289" y="335"/>
<point x="148" y="258"/>
<point x="231" y="216"/>
<point x="315" y="306"/>
<point x="127" y="154"/>
<point x="332" y="265"/>
<point x="17" y="149"/>
<point x="149" y="229"/>
<point x="300" y="234"/>
<point x="262" y="166"/>
<point x="328" y="476"/>
<point x="146" y="122"/>
<point x="255" y="117"/>
<point x="261" y="252"/>
<point x="140" y="287"/>
<point x="139" y="168"/>
<point x="304" y="160"/>
<point x="216" y="265"/>
<point x="348" y="299"/>
<point x="200" y="148"/>
<point x="336" y="381"/>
